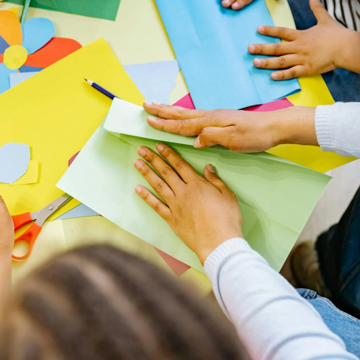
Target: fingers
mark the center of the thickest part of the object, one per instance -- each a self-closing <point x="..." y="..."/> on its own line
<point x="319" y="11"/>
<point x="281" y="62"/>
<point x="184" y="169"/>
<point x="236" y="4"/>
<point x="278" y="32"/>
<point x="294" y="72"/>
<point x="153" y="202"/>
<point x="159" y="185"/>
<point x="211" y="136"/>
<point x="280" y="48"/>
<point x="171" y="178"/>
<point x="172" y="112"/>
<point x="183" y="127"/>
<point x="211" y="177"/>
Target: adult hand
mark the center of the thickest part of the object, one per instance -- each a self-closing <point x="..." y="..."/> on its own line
<point x="236" y="4"/>
<point x="307" y="52"/>
<point x="240" y="131"/>
<point x="202" y="211"/>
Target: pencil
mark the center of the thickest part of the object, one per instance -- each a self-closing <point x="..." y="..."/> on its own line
<point x="101" y="89"/>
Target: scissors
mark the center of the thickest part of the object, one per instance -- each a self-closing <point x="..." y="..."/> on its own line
<point x="31" y="234"/>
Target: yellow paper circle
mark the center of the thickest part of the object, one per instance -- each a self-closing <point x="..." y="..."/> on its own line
<point x="15" y="57"/>
<point x="15" y="10"/>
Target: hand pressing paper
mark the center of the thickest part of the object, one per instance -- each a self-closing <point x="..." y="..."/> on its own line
<point x="276" y="196"/>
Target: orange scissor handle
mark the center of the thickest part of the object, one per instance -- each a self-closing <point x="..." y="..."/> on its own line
<point x="29" y="236"/>
<point x="21" y="220"/>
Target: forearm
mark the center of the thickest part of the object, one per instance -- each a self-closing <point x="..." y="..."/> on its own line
<point x="5" y="278"/>
<point x="348" y="53"/>
<point x="272" y="320"/>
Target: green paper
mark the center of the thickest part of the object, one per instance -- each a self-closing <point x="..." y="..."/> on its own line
<point x="102" y="9"/>
<point x="276" y="197"/>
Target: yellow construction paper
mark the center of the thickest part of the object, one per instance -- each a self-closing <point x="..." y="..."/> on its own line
<point x="31" y="176"/>
<point x="15" y="57"/>
<point x="58" y="113"/>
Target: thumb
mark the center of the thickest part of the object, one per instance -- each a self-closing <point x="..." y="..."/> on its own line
<point x="319" y="11"/>
<point x="211" y="136"/>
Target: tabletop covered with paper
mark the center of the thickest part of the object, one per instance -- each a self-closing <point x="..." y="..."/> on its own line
<point x="276" y="196"/>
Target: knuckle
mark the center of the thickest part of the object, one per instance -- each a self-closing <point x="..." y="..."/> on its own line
<point x="292" y="73"/>
<point x="259" y="49"/>
<point x="166" y="171"/>
<point x="157" y="206"/>
<point x="159" y="187"/>
<point x="282" y="61"/>
<point x="277" y="48"/>
<point x="265" y="63"/>
<point x="213" y="177"/>
<point x="166" y="152"/>
<point x="180" y="164"/>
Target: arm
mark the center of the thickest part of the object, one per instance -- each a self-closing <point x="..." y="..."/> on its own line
<point x="272" y="320"/>
<point x="256" y="298"/>
<point x="334" y="127"/>
<point x="6" y="248"/>
<point x="317" y="50"/>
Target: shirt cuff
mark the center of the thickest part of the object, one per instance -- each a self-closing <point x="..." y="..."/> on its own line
<point x="322" y="125"/>
<point x="220" y="254"/>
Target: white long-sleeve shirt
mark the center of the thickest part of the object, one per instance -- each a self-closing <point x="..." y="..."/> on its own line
<point x="273" y="321"/>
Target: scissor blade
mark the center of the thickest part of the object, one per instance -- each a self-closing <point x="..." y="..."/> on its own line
<point x="52" y="208"/>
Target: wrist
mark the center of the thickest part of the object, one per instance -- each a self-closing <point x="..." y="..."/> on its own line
<point x="294" y="125"/>
<point x="348" y="50"/>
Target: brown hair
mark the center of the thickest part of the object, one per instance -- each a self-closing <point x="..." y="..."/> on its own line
<point x="98" y="302"/>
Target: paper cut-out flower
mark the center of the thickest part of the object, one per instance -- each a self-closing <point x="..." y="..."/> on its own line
<point x="30" y="47"/>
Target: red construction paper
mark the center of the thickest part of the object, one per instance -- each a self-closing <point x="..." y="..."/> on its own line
<point x="55" y="50"/>
<point x="176" y="266"/>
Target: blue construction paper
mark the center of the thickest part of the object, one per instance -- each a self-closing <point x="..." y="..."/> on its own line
<point x="155" y="80"/>
<point x="3" y="45"/>
<point x="14" y="162"/>
<point x="37" y="32"/>
<point x="26" y="68"/>
<point x="210" y="43"/>
<point x="78" y="212"/>
<point x="18" y="78"/>
<point x="5" y="77"/>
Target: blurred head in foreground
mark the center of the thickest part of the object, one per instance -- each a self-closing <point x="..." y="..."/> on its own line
<point x="98" y="302"/>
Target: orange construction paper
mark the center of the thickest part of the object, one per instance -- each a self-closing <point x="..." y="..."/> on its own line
<point x="55" y="49"/>
<point x="10" y="28"/>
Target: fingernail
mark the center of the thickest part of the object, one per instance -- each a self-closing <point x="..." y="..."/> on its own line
<point x="148" y="103"/>
<point x="274" y="75"/>
<point x="197" y="143"/>
<point x="257" y="62"/>
<point x="160" y="147"/>
<point x="142" y="152"/>
<point x="260" y="29"/>
<point x="156" y="103"/>
<point x="138" y="189"/>
<point x="150" y="118"/>
<point x="139" y="164"/>
<point x="226" y="2"/>
<point x="211" y="168"/>
<point x="251" y="48"/>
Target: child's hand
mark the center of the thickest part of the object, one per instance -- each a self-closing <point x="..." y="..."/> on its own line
<point x="6" y="231"/>
<point x="236" y="4"/>
<point x="307" y="52"/>
<point x="202" y="211"/>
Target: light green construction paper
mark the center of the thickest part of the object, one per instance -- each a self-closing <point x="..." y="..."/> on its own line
<point x="276" y="198"/>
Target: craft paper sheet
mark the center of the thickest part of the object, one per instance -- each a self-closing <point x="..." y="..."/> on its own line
<point x="95" y="8"/>
<point x="210" y="43"/>
<point x="103" y="178"/>
<point x="59" y="112"/>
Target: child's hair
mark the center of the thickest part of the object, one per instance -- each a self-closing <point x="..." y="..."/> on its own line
<point x="98" y="302"/>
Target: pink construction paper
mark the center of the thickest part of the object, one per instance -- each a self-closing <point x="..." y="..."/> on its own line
<point x="176" y="266"/>
<point x="73" y="158"/>
<point x="186" y="102"/>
